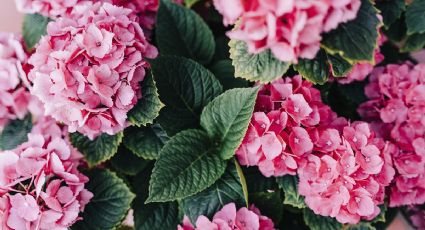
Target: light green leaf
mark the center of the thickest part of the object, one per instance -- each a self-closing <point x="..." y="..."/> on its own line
<point x="339" y="66"/>
<point x="15" y="133"/>
<point x="227" y="117"/>
<point x="145" y="142"/>
<point x="180" y="31"/>
<point x="186" y="165"/>
<point x="317" y="222"/>
<point x="390" y="10"/>
<point x="413" y="42"/>
<point x="148" y="107"/>
<point x="226" y="190"/>
<point x="361" y="226"/>
<point x="190" y="3"/>
<point x="110" y="204"/>
<point x="355" y="40"/>
<point x="415" y="17"/>
<point x="99" y="150"/>
<point x="185" y="87"/>
<point x="128" y="163"/>
<point x="289" y="185"/>
<point x="34" y="28"/>
<point x="263" y="67"/>
<point x="314" y="70"/>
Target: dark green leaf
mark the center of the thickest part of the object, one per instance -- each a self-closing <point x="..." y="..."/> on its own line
<point x="289" y="185"/>
<point x="256" y="182"/>
<point x="317" y="222"/>
<point x="99" y="150"/>
<point x="414" y="42"/>
<point x="128" y="163"/>
<point x="186" y="165"/>
<point x="180" y="31"/>
<point x="34" y="28"/>
<point x="227" y="117"/>
<point x="397" y="31"/>
<point x="148" y="107"/>
<point x="270" y="204"/>
<point x="339" y="66"/>
<point x="225" y="73"/>
<point x="390" y="10"/>
<point x="15" y="133"/>
<point x="155" y="216"/>
<point x="263" y="67"/>
<point x="314" y="70"/>
<point x="415" y="17"/>
<point x="145" y="142"/>
<point x="227" y="189"/>
<point x="185" y="87"/>
<point x="110" y="204"/>
<point x="355" y="40"/>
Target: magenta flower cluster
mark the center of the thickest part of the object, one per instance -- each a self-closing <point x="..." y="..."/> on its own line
<point x="229" y="218"/>
<point x="87" y="70"/>
<point x="396" y="108"/>
<point x="40" y="186"/>
<point x="291" y="29"/>
<point x="343" y="168"/>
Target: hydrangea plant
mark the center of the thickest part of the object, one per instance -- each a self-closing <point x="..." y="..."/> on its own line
<point x="213" y="114"/>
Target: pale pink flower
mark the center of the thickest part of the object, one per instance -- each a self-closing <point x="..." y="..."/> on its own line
<point x="14" y="97"/>
<point x="48" y="8"/>
<point x="87" y="70"/>
<point x="290" y="29"/>
<point x="229" y="218"/>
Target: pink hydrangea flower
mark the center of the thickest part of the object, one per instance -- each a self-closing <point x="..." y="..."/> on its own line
<point x="280" y="134"/>
<point x="230" y="218"/>
<point x="88" y="68"/>
<point x="346" y="176"/>
<point x="417" y="217"/>
<point x="396" y="107"/>
<point x="14" y="97"/>
<point x="48" y="8"/>
<point x="290" y="29"/>
<point x="40" y="186"/>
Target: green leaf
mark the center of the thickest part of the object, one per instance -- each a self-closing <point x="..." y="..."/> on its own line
<point x="15" y="133"/>
<point x="355" y="40"/>
<point x="225" y="73"/>
<point x="186" y="165"/>
<point x="190" y="3"/>
<point x="414" y="42"/>
<point x="145" y="142"/>
<point x="361" y="226"/>
<point x="148" y="107"/>
<point x="227" y="117"/>
<point x="289" y="185"/>
<point x="155" y="216"/>
<point x="127" y="163"/>
<point x="339" y="66"/>
<point x="397" y="31"/>
<point x="226" y="190"/>
<point x="34" y="28"/>
<point x="314" y="70"/>
<point x="180" y="31"/>
<point x="257" y="182"/>
<point x="390" y="10"/>
<point x="263" y="67"/>
<point x="415" y="17"/>
<point x="317" y="222"/>
<point x="381" y="216"/>
<point x="185" y="87"/>
<point x="110" y="204"/>
<point x="99" y="150"/>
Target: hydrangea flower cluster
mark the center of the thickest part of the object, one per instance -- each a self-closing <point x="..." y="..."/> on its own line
<point x="343" y="168"/>
<point x="14" y="98"/>
<point x="48" y="8"/>
<point x="396" y="107"/>
<point x="229" y="218"/>
<point x="417" y="217"/>
<point x="40" y="186"/>
<point x="278" y="138"/>
<point x="87" y="70"/>
<point x="290" y="29"/>
<point x="362" y="69"/>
